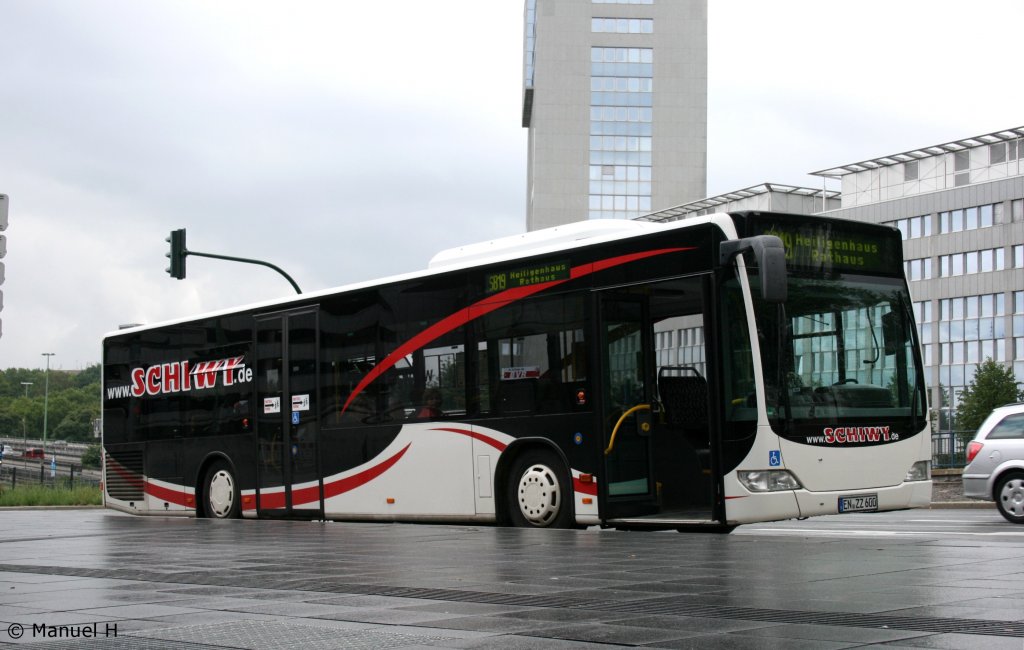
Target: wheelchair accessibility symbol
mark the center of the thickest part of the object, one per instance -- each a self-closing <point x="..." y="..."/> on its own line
<point x="774" y="458"/>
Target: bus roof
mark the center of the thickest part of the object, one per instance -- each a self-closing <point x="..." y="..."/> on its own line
<point x="538" y="242"/>
<point x="568" y="235"/>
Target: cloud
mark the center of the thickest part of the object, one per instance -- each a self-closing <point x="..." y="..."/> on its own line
<point x="348" y="141"/>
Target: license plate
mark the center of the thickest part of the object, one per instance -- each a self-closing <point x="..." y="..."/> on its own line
<point x="864" y="503"/>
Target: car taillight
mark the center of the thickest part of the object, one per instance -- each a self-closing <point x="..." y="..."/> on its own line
<point x="973" y="447"/>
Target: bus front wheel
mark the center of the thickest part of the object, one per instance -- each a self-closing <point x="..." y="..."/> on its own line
<point x="538" y="494"/>
<point x="221" y="492"/>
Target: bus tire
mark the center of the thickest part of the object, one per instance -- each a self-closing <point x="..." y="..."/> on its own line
<point x="1009" y="496"/>
<point x="538" y="494"/>
<point x="220" y="492"/>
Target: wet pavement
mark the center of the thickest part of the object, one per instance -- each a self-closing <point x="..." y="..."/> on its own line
<point x="95" y="578"/>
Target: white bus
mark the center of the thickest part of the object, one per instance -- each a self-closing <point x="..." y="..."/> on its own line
<point x="697" y="374"/>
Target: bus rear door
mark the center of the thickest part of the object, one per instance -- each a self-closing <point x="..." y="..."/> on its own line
<point x="289" y="483"/>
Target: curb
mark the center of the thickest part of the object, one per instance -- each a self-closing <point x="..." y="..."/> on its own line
<point x="963" y="505"/>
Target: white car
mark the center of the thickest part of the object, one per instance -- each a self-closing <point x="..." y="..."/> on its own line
<point x="6" y="450"/>
<point x="995" y="462"/>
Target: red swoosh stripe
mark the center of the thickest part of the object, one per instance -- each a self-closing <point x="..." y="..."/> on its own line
<point x="500" y="446"/>
<point x="585" y="488"/>
<point x="312" y="494"/>
<point x="177" y="497"/>
<point x="127" y="475"/>
<point x="486" y="306"/>
<point x="272" y="500"/>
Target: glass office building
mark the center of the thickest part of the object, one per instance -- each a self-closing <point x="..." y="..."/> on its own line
<point x="615" y="100"/>
<point x="960" y="208"/>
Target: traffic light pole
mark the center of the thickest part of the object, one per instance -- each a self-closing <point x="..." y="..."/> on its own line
<point x="246" y="260"/>
<point x="179" y="252"/>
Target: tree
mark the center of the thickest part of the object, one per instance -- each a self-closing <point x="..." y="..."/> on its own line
<point x="91" y="457"/>
<point x="993" y="385"/>
<point x="71" y="393"/>
<point x="76" y="425"/>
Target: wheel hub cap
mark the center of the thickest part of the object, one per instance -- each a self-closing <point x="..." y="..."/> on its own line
<point x="538" y="495"/>
<point x="222" y="493"/>
<point x="1013" y="497"/>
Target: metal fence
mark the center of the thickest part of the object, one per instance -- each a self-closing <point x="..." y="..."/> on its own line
<point x="66" y="477"/>
<point x="949" y="448"/>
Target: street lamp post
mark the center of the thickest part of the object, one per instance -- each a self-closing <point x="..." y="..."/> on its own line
<point x="24" y="427"/>
<point x="46" y="394"/>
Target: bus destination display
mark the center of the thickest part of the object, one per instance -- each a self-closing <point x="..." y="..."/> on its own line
<point x="826" y="248"/>
<point x="528" y="276"/>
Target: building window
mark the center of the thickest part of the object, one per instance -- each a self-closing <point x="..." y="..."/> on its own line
<point x="919" y="269"/>
<point x="1017" y="209"/>
<point x="530" y="38"/>
<point x="1018" y="257"/>
<point x="923" y="314"/>
<point x="962" y="161"/>
<point x="623" y="2"/>
<point x="910" y="171"/>
<point x="621" y="116"/>
<point x="992" y="259"/>
<point x="914" y="227"/>
<point x="971" y="329"/>
<point x="622" y="25"/>
<point x="982" y="216"/>
<point x="997" y="153"/>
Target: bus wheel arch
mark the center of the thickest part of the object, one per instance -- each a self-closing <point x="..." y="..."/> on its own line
<point x="218" y="495"/>
<point x="534" y="486"/>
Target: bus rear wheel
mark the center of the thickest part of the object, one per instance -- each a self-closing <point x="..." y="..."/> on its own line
<point x="538" y="494"/>
<point x="220" y="492"/>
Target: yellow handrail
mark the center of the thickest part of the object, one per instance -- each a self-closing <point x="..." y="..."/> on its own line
<point x="615" y="431"/>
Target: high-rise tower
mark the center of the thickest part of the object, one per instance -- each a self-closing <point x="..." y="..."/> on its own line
<point x="615" y="100"/>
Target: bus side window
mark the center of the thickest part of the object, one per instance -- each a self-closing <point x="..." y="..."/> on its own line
<point x="348" y="350"/>
<point x="533" y="357"/>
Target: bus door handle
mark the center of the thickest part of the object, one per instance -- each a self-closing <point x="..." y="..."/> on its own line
<point x="643" y="425"/>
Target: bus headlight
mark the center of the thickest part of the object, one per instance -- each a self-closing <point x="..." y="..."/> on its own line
<point x="919" y="471"/>
<point x="768" y="480"/>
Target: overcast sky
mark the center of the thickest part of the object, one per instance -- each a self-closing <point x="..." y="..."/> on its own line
<point x="345" y="141"/>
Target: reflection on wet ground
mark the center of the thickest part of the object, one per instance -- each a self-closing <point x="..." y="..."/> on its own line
<point x="185" y="583"/>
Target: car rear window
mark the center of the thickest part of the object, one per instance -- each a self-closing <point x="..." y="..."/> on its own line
<point x="1012" y="426"/>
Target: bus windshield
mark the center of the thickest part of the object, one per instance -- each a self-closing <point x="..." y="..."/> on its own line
<point x="840" y="352"/>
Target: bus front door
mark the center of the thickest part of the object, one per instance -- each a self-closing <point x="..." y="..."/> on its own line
<point x="626" y="397"/>
<point x="288" y="480"/>
<point x="656" y="404"/>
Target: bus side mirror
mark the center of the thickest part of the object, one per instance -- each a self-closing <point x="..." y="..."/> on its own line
<point x="771" y="262"/>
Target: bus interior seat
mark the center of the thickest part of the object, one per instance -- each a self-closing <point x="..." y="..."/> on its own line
<point x="685" y="452"/>
<point x="684" y="398"/>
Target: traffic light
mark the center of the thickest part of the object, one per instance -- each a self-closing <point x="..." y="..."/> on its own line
<point x="177" y="254"/>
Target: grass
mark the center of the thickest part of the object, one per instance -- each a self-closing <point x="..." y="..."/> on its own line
<point x="37" y="495"/>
